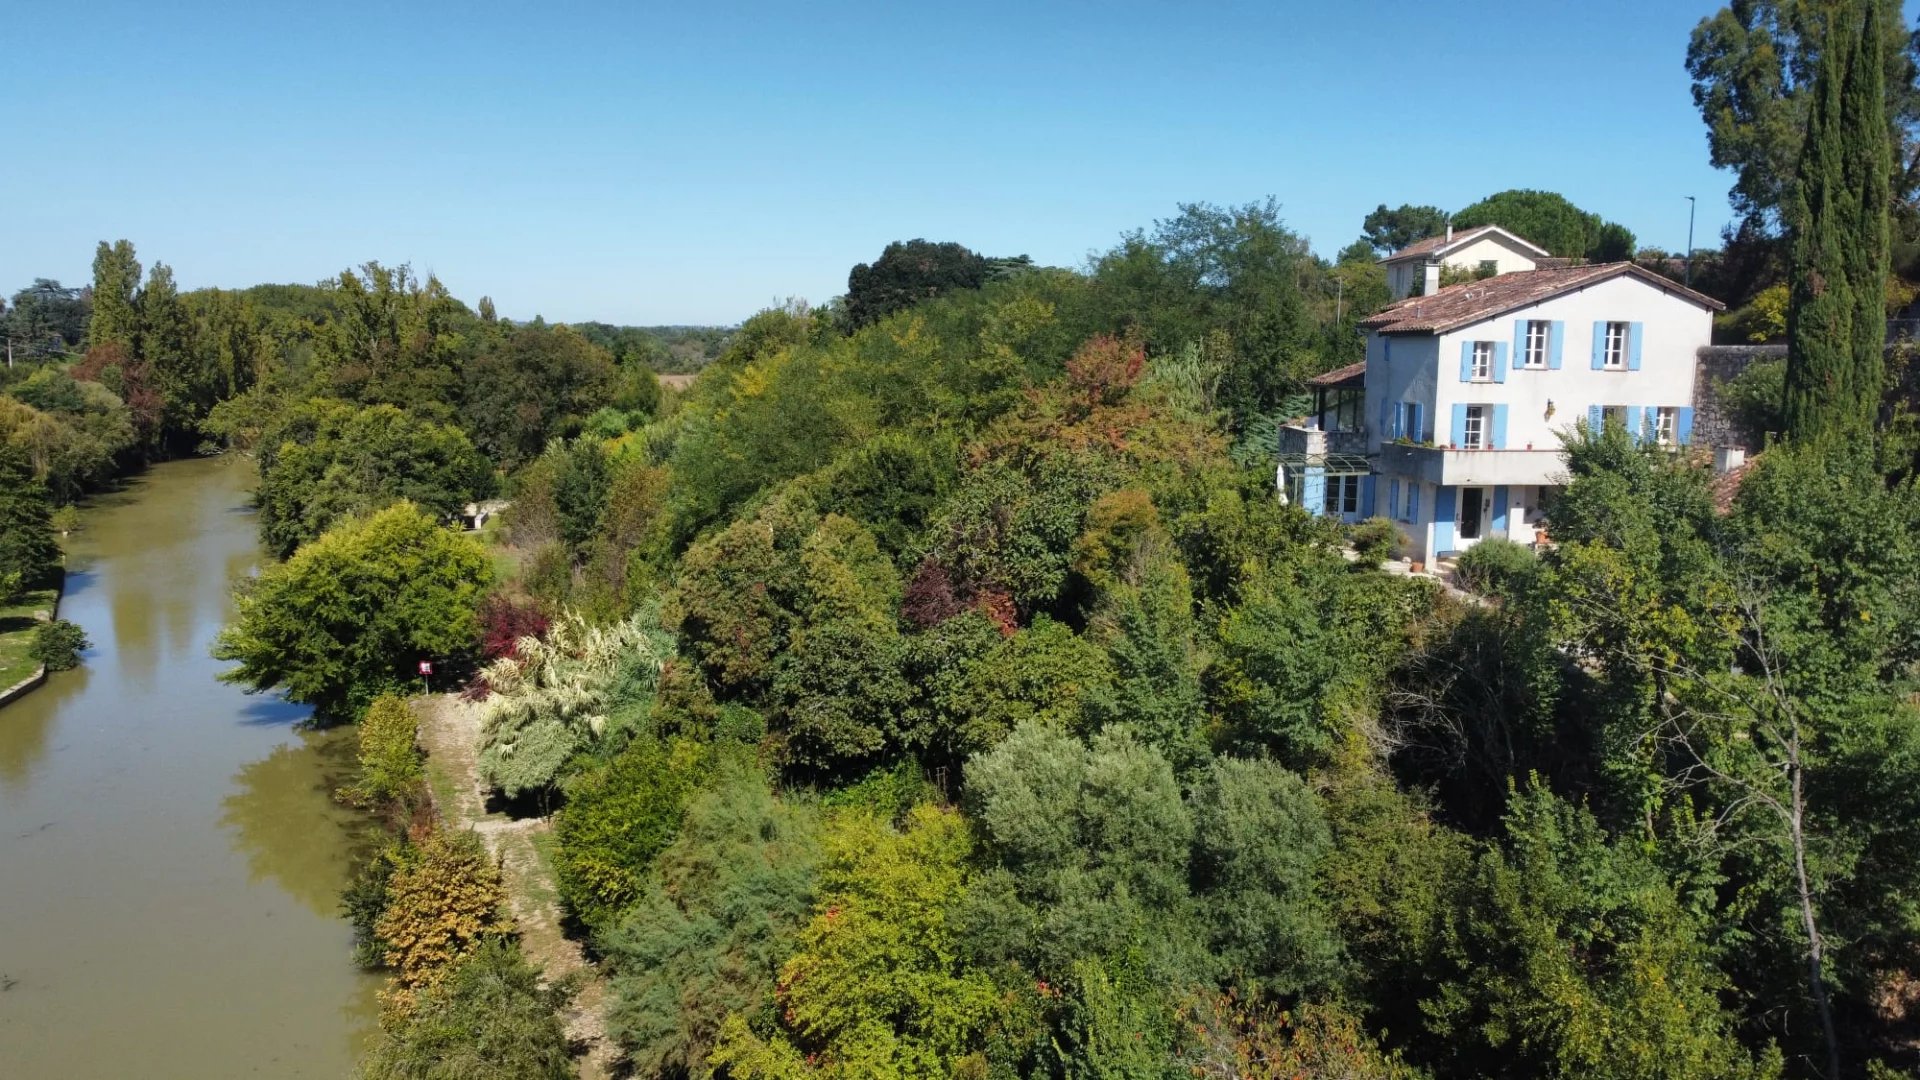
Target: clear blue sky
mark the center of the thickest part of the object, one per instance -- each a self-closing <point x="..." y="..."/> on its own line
<point x="693" y="162"/>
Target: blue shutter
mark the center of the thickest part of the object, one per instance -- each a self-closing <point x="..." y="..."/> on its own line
<point x="1556" y="337"/>
<point x="1500" y="361"/>
<point x="1386" y="350"/>
<point x="1459" y="429"/>
<point x="1313" y="491"/>
<point x="1636" y="416"/>
<point x="1633" y="346"/>
<point x="1599" y="346"/>
<point x="1416" y="422"/>
<point x="1500" y="511"/>
<point x="1466" y="361"/>
<point x="1443" y="500"/>
<point x="1593" y="419"/>
<point x="1499" y="427"/>
<point x="1393" y="497"/>
<point x="1366" y="496"/>
<point x="1683" y="425"/>
<point x="1519" y="344"/>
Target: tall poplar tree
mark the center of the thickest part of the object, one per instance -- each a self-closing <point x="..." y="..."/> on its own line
<point x="116" y="277"/>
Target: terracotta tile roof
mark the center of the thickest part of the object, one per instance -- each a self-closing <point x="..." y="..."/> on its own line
<point x="1351" y="375"/>
<point x="1470" y="302"/>
<point x="1726" y="486"/>
<point x="1430" y="245"/>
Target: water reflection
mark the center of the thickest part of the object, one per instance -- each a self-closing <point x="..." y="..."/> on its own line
<point x="281" y="801"/>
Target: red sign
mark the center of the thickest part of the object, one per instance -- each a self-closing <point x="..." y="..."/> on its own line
<point x="426" y="667"/>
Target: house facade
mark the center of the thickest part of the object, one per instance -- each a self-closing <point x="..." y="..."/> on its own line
<point x="1466" y="393"/>
<point x="1487" y="251"/>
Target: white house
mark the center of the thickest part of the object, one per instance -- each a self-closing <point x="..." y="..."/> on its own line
<point x="1452" y="426"/>
<point x="1488" y="250"/>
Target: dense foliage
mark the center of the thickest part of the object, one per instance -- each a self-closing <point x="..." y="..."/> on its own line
<point x="491" y="1019"/>
<point x="352" y="614"/>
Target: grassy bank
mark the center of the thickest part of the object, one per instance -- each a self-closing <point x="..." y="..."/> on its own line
<point x="17" y="622"/>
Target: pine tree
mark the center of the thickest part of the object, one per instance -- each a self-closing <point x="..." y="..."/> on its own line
<point x="1868" y="161"/>
<point x="116" y="275"/>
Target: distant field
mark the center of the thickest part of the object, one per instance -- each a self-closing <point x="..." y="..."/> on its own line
<point x="16" y="635"/>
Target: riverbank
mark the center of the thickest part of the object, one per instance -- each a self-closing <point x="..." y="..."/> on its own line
<point x="450" y="734"/>
<point x="19" y="671"/>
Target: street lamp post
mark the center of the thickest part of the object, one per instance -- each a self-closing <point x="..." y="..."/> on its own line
<point x="1691" y="206"/>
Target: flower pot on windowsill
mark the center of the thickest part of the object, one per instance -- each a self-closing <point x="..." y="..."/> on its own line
<point x="1418" y="567"/>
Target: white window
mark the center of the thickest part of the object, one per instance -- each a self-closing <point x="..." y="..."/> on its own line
<point x="1483" y="359"/>
<point x="1613" y="416"/>
<point x="1343" y="495"/>
<point x="1617" y="345"/>
<point x="1475" y="437"/>
<point x="1665" y="424"/>
<point x="1539" y="340"/>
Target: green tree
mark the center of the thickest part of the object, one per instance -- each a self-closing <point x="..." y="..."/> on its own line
<point x="719" y="914"/>
<point x="493" y="1019"/>
<point x="28" y="550"/>
<point x="1574" y="958"/>
<point x="1833" y="313"/>
<point x="617" y="818"/>
<point x="532" y="384"/>
<point x="116" y="278"/>
<point x="1387" y="231"/>
<point x="390" y="768"/>
<point x="1754" y="66"/>
<point x="906" y="274"/>
<point x="323" y="460"/>
<point x="351" y="614"/>
<point x="877" y="988"/>
<point x="1549" y="220"/>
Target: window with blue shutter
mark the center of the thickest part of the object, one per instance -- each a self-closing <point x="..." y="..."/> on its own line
<point x="1500" y="360"/>
<point x="1636" y="419"/>
<point x="1499" y="427"/>
<point x="1557" y="339"/>
<point x="1416" y="422"/>
<point x="1600" y="346"/>
<point x="1683" y="425"/>
<point x="1633" y="346"/>
<point x="1443" y="500"/>
<point x="1459" y="429"/>
<point x="1466" y="361"/>
<point x="1519" y="344"/>
<point x="1367" y="495"/>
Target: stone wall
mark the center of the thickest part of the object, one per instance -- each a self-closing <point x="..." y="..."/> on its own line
<point x="1712" y="426"/>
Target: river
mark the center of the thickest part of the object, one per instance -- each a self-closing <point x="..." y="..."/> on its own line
<point x="170" y="855"/>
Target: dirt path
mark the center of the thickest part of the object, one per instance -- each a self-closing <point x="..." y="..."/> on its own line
<point x="450" y="732"/>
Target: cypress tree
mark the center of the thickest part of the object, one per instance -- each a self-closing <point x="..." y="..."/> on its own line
<point x="116" y="275"/>
<point x="1868" y="161"/>
<point x="1820" y="307"/>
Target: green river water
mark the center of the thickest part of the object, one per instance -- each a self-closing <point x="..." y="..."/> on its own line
<point x="170" y="855"/>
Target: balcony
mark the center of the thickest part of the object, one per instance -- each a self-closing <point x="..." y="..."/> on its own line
<point x="1337" y="451"/>
<point x="1480" y="468"/>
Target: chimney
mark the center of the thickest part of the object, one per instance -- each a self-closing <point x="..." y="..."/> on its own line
<point x="1449" y="232"/>
<point x="1432" y="280"/>
<point x="1728" y="458"/>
